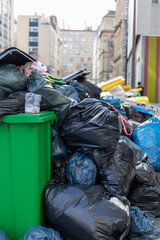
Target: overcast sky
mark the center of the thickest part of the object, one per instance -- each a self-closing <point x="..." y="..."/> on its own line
<point x="69" y="13"/>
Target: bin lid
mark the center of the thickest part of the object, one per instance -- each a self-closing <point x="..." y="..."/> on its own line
<point x="30" y="117"/>
<point x="15" y="56"/>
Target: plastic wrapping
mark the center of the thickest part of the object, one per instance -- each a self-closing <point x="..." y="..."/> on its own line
<point x="117" y="91"/>
<point x="32" y="103"/>
<point x="147" y="137"/>
<point x="115" y="177"/>
<point x="42" y="233"/>
<point x="32" y="67"/>
<point x="81" y="170"/>
<point x="90" y="124"/>
<point x="51" y="99"/>
<point x="11" y="80"/>
<point x="83" y="212"/>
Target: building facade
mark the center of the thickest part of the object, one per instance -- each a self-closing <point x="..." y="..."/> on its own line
<point x="104" y="49"/>
<point x="121" y="39"/>
<point x="6" y="24"/>
<point x="38" y="36"/>
<point x="96" y="48"/>
<point x="145" y="62"/>
<point x="76" y="50"/>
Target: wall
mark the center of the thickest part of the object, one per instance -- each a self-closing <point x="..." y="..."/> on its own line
<point x="148" y="18"/>
<point x="130" y="27"/>
<point x="44" y="44"/>
<point x="23" y="33"/>
<point x="138" y="62"/>
<point x="151" y="68"/>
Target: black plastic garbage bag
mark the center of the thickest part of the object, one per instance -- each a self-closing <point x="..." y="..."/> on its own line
<point x="91" y="90"/>
<point x="76" y="75"/>
<point x="81" y="170"/>
<point x="143" y="225"/>
<point x="68" y="91"/>
<point x="3" y="236"/>
<point x="58" y="169"/>
<point x="131" y="113"/>
<point x="145" y="190"/>
<point x="41" y="233"/>
<point x="134" y="124"/>
<point x="158" y="177"/>
<point x="120" y="170"/>
<point x="140" y="154"/>
<point x="83" y="212"/>
<point x="58" y="147"/>
<point x="91" y="124"/>
<point x="11" y="80"/>
<point x="12" y="104"/>
<point x="51" y="99"/>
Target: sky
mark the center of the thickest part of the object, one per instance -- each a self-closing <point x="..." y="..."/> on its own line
<point x="71" y="14"/>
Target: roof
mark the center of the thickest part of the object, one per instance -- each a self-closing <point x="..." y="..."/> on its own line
<point x="110" y="14"/>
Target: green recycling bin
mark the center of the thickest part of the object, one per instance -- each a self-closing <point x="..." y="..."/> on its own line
<point x="25" y="166"/>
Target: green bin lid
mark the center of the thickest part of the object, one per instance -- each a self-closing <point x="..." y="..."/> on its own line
<point x="30" y="117"/>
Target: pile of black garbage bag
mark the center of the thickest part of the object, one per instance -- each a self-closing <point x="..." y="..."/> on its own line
<point x="98" y="173"/>
<point x="124" y="178"/>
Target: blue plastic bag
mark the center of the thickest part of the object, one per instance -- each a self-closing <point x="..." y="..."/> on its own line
<point x="3" y="236"/>
<point x="147" y="136"/>
<point x="41" y="233"/>
<point x="81" y="170"/>
<point x="115" y="102"/>
<point x="143" y="225"/>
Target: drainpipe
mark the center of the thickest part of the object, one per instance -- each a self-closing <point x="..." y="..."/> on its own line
<point x="134" y="45"/>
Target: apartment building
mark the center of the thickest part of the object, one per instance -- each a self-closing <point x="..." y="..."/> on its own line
<point x="76" y="50"/>
<point x="6" y="24"/>
<point x="144" y="46"/>
<point x="38" y="36"/>
<point x="121" y="39"/>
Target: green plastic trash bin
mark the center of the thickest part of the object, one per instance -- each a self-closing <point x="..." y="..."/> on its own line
<point x="25" y="166"/>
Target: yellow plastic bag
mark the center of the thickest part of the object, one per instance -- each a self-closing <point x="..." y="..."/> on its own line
<point x="140" y="99"/>
<point x="110" y="83"/>
<point x="126" y="87"/>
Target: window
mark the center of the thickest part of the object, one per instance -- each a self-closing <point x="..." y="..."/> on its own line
<point x="33" y="44"/>
<point x="33" y="34"/>
<point x="33" y="24"/>
<point x="154" y="1"/>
